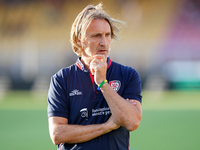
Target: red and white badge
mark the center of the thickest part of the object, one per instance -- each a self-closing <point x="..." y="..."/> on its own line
<point x="115" y="84"/>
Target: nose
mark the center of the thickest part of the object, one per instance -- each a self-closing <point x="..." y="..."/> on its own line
<point x="103" y="41"/>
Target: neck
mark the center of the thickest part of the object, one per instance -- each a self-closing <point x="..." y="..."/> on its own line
<point x="86" y="62"/>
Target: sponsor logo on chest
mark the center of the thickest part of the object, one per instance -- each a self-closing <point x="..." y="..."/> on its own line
<point x="75" y="92"/>
<point x="84" y="112"/>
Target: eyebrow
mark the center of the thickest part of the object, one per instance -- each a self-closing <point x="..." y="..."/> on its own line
<point x="99" y="33"/>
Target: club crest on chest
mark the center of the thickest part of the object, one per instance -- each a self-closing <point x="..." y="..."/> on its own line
<point x="115" y="84"/>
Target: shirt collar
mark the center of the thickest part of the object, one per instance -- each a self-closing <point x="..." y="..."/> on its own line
<point x="80" y="65"/>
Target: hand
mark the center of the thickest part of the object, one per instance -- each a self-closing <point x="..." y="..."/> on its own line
<point x="98" y="67"/>
<point x="132" y="101"/>
<point x="111" y="124"/>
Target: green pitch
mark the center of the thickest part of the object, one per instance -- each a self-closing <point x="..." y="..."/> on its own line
<point x="170" y="122"/>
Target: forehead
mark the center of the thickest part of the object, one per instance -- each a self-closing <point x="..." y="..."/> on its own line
<point x="98" y="26"/>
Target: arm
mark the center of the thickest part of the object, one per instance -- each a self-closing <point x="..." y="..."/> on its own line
<point x="124" y="113"/>
<point x="60" y="131"/>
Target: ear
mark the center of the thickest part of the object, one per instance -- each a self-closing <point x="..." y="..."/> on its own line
<point x="78" y="42"/>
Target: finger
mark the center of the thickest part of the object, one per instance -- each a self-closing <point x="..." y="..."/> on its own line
<point x="100" y="57"/>
<point x="97" y="61"/>
<point x="93" y="63"/>
<point x="132" y="102"/>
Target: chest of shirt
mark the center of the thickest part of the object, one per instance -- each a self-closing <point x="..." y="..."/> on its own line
<point x="87" y="104"/>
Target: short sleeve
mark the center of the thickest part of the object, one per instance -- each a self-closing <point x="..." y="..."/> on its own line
<point x="132" y="89"/>
<point x="57" y="97"/>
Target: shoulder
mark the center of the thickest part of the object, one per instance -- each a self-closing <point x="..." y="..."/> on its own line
<point x="126" y="70"/>
<point x="64" y="72"/>
<point x="62" y="77"/>
<point x="127" y="74"/>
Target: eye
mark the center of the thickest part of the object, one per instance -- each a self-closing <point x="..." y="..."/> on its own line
<point x="107" y="34"/>
<point x="97" y="35"/>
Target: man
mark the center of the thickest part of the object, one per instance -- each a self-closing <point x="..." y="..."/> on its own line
<point x="94" y="103"/>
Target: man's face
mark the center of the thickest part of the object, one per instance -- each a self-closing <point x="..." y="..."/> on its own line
<point x="97" y="39"/>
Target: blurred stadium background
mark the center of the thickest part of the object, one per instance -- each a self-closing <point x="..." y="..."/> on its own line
<point x="161" y="41"/>
<point x="160" y="38"/>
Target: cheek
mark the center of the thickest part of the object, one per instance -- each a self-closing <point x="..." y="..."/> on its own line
<point x="90" y="49"/>
<point x="93" y="45"/>
<point x="109" y="39"/>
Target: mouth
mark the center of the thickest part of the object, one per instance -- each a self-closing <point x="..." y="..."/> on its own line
<point x="102" y="51"/>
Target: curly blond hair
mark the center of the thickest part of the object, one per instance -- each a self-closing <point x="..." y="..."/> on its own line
<point x="84" y="19"/>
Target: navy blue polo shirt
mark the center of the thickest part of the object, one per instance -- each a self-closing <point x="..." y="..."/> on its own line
<point x="73" y="95"/>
